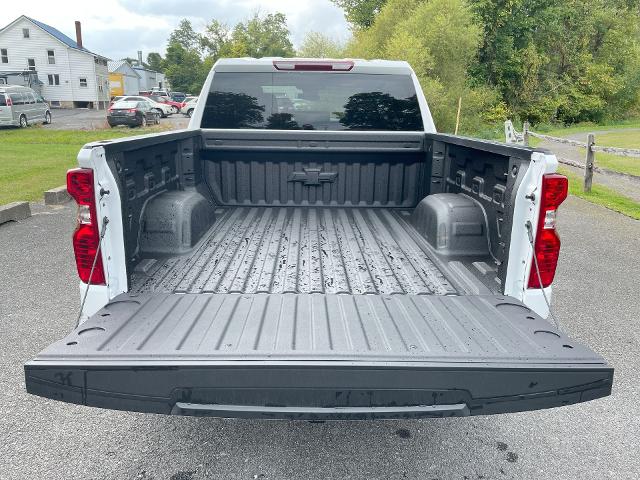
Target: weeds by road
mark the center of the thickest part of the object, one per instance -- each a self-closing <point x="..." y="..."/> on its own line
<point x="33" y="160"/>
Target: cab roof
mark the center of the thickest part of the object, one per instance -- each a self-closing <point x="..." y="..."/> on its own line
<point x="267" y="64"/>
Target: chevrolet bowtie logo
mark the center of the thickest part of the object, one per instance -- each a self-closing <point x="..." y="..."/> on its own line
<point x="313" y="176"/>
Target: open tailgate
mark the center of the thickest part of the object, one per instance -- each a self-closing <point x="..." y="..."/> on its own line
<point x="318" y="356"/>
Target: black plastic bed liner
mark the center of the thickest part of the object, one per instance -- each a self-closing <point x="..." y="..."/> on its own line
<point x="318" y="357"/>
<point x="302" y="250"/>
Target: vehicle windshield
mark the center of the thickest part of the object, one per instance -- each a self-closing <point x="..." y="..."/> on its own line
<point x="3" y="100"/>
<point x="312" y="101"/>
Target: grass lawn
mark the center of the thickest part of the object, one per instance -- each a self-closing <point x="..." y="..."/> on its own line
<point x="602" y="196"/>
<point x="624" y="136"/>
<point x="622" y="139"/>
<point x="36" y="159"/>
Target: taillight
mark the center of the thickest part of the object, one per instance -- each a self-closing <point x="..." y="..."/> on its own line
<point x="9" y="101"/>
<point x="86" y="237"/>
<point x="314" y="65"/>
<point x="547" y="242"/>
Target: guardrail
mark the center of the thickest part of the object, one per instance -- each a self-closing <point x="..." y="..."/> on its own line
<point x="522" y="138"/>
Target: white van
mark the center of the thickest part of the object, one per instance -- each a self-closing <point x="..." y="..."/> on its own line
<point x="22" y="106"/>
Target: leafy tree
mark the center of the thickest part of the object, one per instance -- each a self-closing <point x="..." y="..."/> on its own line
<point x="319" y="45"/>
<point x="184" y="68"/>
<point x="259" y="36"/>
<point x="155" y="62"/>
<point x="185" y="36"/>
<point x="361" y="13"/>
<point x="215" y="39"/>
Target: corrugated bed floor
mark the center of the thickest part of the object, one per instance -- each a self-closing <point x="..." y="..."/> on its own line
<point x="301" y="250"/>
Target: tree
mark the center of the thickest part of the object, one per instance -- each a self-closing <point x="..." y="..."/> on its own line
<point x="215" y="39"/>
<point x="319" y="45"/>
<point x="185" y="36"/>
<point x="259" y="36"/>
<point x="184" y="68"/>
<point x="360" y="13"/>
<point x="155" y="62"/>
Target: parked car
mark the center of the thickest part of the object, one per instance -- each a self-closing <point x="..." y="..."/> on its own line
<point x="178" y="96"/>
<point x="342" y="261"/>
<point x="175" y="106"/>
<point x="189" y="106"/>
<point x="22" y="106"/>
<point x="160" y="92"/>
<point x="163" y="109"/>
<point x="133" y="114"/>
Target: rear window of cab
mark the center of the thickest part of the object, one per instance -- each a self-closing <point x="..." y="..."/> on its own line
<point x="312" y="101"/>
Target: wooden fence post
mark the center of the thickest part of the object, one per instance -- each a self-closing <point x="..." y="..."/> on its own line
<point x="588" y="167"/>
<point x="458" y="115"/>
<point x="525" y="133"/>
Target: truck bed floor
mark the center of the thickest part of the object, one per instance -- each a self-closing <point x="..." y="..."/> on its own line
<point x="301" y="250"/>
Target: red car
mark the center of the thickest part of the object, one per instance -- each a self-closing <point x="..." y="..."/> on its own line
<point x="176" y="106"/>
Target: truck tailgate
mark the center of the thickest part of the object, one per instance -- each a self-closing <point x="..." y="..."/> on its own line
<point x="318" y="356"/>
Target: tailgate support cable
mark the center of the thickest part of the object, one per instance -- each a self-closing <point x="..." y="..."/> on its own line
<point x="105" y="221"/>
<point x="535" y="264"/>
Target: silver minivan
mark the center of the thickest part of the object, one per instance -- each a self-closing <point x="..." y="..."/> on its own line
<point x="22" y="106"/>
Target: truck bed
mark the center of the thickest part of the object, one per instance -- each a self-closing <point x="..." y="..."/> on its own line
<point x="302" y="250"/>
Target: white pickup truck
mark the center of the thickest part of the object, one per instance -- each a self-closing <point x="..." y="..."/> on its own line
<point x="311" y="248"/>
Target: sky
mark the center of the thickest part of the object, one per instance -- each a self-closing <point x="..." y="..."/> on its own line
<point x="119" y="28"/>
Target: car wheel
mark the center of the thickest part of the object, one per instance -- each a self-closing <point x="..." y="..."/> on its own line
<point x="190" y="112"/>
<point x="157" y="120"/>
<point x="23" y="121"/>
<point x="47" y="118"/>
<point x="143" y="122"/>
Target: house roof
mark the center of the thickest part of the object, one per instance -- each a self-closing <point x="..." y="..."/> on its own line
<point x="57" y="34"/>
<point x="114" y="65"/>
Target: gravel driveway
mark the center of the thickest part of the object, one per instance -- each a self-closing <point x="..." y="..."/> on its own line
<point x="597" y="302"/>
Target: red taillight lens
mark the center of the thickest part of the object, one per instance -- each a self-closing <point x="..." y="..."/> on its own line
<point x="547" y="243"/>
<point x="86" y="237"/>
<point x="314" y="65"/>
<point x="9" y="101"/>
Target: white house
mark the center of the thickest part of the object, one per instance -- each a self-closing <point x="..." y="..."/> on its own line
<point x="71" y="75"/>
<point x="123" y="79"/>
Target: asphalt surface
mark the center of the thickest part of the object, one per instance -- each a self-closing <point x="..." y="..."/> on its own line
<point x="597" y="302"/>
<point x="86" y="119"/>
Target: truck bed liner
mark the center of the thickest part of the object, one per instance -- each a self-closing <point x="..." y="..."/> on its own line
<point x="318" y="327"/>
<point x="301" y="250"/>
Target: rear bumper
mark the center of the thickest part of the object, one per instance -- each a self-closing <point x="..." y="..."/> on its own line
<point x="318" y="390"/>
<point x="131" y="121"/>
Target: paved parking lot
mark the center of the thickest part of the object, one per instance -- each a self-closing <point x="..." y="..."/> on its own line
<point x="597" y="302"/>
<point x="86" y="119"/>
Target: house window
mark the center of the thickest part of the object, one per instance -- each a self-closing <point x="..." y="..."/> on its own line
<point x="83" y="81"/>
<point x="4" y="56"/>
<point x="51" y="55"/>
<point x="31" y="64"/>
<point x="54" y="79"/>
<point x="25" y="33"/>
